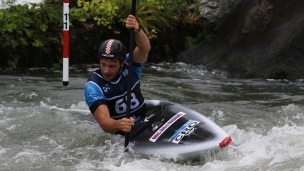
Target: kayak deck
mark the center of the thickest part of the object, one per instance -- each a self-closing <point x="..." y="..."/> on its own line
<point x="171" y="128"/>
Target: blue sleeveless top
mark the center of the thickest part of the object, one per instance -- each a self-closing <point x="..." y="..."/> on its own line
<point x="97" y="91"/>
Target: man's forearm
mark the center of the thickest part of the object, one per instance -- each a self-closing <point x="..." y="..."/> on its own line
<point x="141" y="52"/>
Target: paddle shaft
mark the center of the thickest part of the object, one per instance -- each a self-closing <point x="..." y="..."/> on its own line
<point x="130" y="71"/>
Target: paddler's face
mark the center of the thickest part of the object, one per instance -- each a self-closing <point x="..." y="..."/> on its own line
<point x="110" y="68"/>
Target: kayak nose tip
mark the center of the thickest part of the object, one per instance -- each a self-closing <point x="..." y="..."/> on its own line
<point x="225" y="142"/>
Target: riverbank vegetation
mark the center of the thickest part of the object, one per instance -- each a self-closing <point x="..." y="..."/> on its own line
<point x="31" y="34"/>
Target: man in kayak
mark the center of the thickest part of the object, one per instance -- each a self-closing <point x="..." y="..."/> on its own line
<point x="106" y="89"/>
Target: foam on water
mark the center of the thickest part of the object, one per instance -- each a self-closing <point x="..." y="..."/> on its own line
<point x="270" y="150"/>
<point x="260" y="149"/>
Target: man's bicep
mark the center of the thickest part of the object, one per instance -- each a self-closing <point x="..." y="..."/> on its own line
<point x="96" y="104"/>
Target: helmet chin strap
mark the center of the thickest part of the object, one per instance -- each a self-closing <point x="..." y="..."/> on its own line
<point x="119" y="72"/>
<point x="120" y="69"/>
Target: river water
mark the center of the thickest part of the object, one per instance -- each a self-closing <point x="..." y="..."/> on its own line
<point x="47" y="126"/>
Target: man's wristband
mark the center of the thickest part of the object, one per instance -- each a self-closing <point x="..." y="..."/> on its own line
<point x="138" y="29"/>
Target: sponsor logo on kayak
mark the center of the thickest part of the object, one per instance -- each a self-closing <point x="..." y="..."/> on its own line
<point x="162" y="129"/>
<point x="183" y="131"/>
<point x="147" y="118"/>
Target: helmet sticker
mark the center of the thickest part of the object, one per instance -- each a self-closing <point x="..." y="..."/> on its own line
<point x="108" y="48"/>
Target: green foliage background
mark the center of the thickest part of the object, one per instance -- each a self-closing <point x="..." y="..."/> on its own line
<point x="31" y="34"/>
